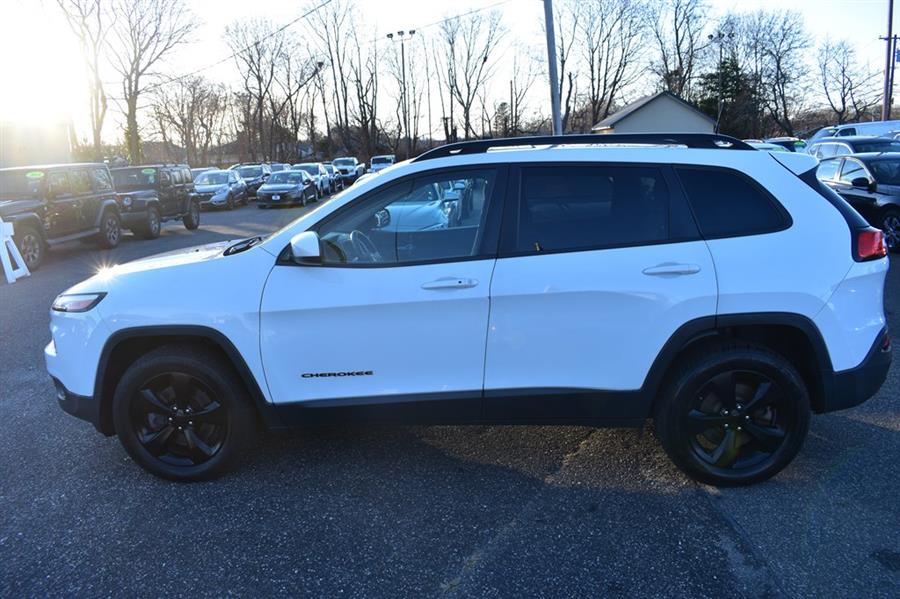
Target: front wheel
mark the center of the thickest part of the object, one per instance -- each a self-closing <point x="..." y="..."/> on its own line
<point x="229" y="202"/>
<point x="152" y="227"/>
<point x="733" y="416"/>
<point x="110" y="230"/>
<point x="890" y="224"/>
<point x="30" y="245"/>
<point x="191" y="220"/>
<point x="180" y="412"/>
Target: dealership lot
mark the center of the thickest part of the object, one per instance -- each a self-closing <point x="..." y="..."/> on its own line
<point x="458" y="511"/>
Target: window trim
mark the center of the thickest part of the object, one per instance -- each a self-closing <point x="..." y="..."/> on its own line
<point x="510" y="227"/>
<point x="491" y="220"/>
<point x="787" y="219"/>
<point x="864" y="166"/>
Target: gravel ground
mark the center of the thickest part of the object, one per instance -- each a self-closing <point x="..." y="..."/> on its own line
<point x="424" y="511"/>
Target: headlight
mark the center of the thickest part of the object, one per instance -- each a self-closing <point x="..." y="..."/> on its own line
<point x="126" y="201"/>
<point x="79" y="302"/>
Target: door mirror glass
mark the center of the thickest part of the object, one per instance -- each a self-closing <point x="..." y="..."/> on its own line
<point x="860" y="182"/>
<point x="305" y="248"/>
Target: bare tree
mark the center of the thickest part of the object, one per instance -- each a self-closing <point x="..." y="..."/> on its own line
<point x="90" y="23"/>
<point x="566" y="21"/>
<point x="144" y="32"/>
<point x="364" y="80"/>
<point x="470" y="42"/>
<point x="612" y="44"/>
<point x="189" y="110"/>
<point x="332" y="29"/>
<point x="677" y="27"/>
<point x="850" y="90"/>
<point x="784" y="68"/>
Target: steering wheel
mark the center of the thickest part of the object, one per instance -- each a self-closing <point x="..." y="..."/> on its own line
<point x="363" y="247"/>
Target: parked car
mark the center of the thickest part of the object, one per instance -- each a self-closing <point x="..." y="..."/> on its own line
<point x="53" y="204"/>
<point x="724" y="292"/>
<point x="254" y="175"/>
<point x="761" y="145"/>
<point x="381" y="162"/>
<point x="334" y="178"/>
<point x="195" y="172"/>
<point x="871" y="129"/>
<point x="221" y="189"/>
<point x="278" y="166"/>
<point x="287" y="188"/>
<point x="841" y="146"/>
<point x="349" y="168"/>
<point x="151" y="195"/>
<point x="317" y="171"/>
<point x="871" y="184"/>
<point x="792" y="144"/>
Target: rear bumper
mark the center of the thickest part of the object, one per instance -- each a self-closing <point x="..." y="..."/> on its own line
<point x="854" y="386"/>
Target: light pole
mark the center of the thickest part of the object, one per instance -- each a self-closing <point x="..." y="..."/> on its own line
<point x="403" y="37"/>
<point x="718" y="38"/>
<point x="886" y="97"/>
<point x="551" y="63"/>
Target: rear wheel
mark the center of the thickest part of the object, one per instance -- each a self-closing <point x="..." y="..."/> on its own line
<point x="890" y="224"/>
<point x="180" y="413"/>
<point x="110" y="230"/>
<point x="733" y="416"/>
<point x="152" y="227"/>
<point x="30" y="245"/>
<point x="191" y="220"/>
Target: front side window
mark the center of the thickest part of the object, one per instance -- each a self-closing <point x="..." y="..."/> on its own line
<point x="58" y="184"/>
<point x="584" y="207"/>
<point x="726" y="203"/>
<point x="852" y="169"/>
<point x="827" y="170"/>
<point x="886" y="171"/>
<point x="430" y="218"/>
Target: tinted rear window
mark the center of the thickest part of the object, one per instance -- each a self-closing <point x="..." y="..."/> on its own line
<point x="727" y="204"/>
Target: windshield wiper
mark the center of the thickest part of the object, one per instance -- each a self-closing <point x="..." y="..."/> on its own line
<point x="243" y="245"/>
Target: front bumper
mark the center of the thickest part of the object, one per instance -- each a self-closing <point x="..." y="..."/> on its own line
<point x="212" y="200"/>
<point x="284" y="199"/>
<point x="84" y="407"/>
<point x="854" y="386"/>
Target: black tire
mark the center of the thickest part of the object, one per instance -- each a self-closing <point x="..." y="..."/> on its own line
<point x="748" y="441"/>
<point x="153" y="226"/>
<point x="890" y="225"/>
<point x="191" y="220"/>
<point x="110" y="230"/>
<point x="260" y="206"/>
<point x="31" y="245"/>
<point x="157" y="409"/>
<point x="229" y="202"/>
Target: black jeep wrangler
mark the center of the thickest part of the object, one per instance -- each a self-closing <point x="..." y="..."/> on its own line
<point x="151" y="195"/>
<point x="53" y="204"/>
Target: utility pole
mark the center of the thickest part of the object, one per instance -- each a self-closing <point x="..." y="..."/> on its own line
<point x="718" y="38"/>
<point x="886" y="98"/>
<point x="403" y="37"/>
<point x="551" y="62"/>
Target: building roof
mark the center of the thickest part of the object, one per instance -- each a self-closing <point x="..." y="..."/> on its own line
<point x="610" y="121"/>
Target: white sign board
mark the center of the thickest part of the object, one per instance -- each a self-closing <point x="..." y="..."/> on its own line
<point x="13" y="264"/>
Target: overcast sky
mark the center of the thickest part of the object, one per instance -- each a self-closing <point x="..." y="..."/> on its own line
<point x="43" y="76"/>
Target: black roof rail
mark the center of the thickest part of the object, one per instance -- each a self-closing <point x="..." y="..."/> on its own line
<point x="708" y="141"/>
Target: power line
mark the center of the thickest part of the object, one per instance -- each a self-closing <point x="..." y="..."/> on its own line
<point x="237" y="52"/>
<point x="450" y="18"/>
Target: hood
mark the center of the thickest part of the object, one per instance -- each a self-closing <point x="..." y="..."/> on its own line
<point x="15" y="205"/>
<point x="279" y="187"/>
<point x="210" y="188"/>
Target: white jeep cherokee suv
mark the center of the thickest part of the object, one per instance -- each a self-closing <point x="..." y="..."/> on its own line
<point x="720" y="290"/>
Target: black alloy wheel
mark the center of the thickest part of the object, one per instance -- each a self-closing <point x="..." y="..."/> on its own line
<point x="182" y="413"/>
<point x="110" y="230"/>
<point x="229" y="202"/>
<point x="191" y="220"/>
<point x="890" y="224"/>
<point x="153" y="226"/>
<point x="734" y="417"/>
<point x="30" y="245"/>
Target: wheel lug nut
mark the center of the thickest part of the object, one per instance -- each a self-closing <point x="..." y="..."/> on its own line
<point x="190" y="423"/>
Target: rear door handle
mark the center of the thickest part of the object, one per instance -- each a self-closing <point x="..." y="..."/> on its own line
<point x="450" y="283"/>
<point x="671" y="269"/>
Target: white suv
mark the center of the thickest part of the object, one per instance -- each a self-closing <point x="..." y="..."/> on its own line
<point x="723" y="291"/>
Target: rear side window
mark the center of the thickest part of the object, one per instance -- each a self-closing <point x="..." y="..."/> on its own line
<point x="80" y="182"/>
<point x="852" y="169"/>
<point x="728" y="204"/>
<point x="101" y="179"/>
<point x="591" y="207"/>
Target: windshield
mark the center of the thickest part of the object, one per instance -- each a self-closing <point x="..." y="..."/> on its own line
<point x="250" y="172"/>
<point x="877" y="146"/>
<point x="211" y="178"/>
<point x="886" y="171"/>
<point x="381" y="160"/>
<point x="344" y="162"/>
<point x="286" y="178"/>
<point x="134" y="178"/>
<point x="312" y="169"/>
<point x="21" y="182"/>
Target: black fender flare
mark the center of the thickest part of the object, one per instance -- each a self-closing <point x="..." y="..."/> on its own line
<point x="27" y="218"/>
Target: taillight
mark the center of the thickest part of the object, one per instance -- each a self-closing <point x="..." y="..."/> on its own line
<point x="869" y="244"/>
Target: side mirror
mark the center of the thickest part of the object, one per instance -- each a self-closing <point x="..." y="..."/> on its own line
<point x="305" y="248"/>
<point x="382" y="218"/>
<point x="862" y="183"/>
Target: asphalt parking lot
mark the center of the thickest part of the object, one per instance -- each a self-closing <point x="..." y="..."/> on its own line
<point x="424" y="511"/>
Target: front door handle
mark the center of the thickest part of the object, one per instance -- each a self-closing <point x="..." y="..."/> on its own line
<point x="450" y="283"/>
<point x="671" y="269"/>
